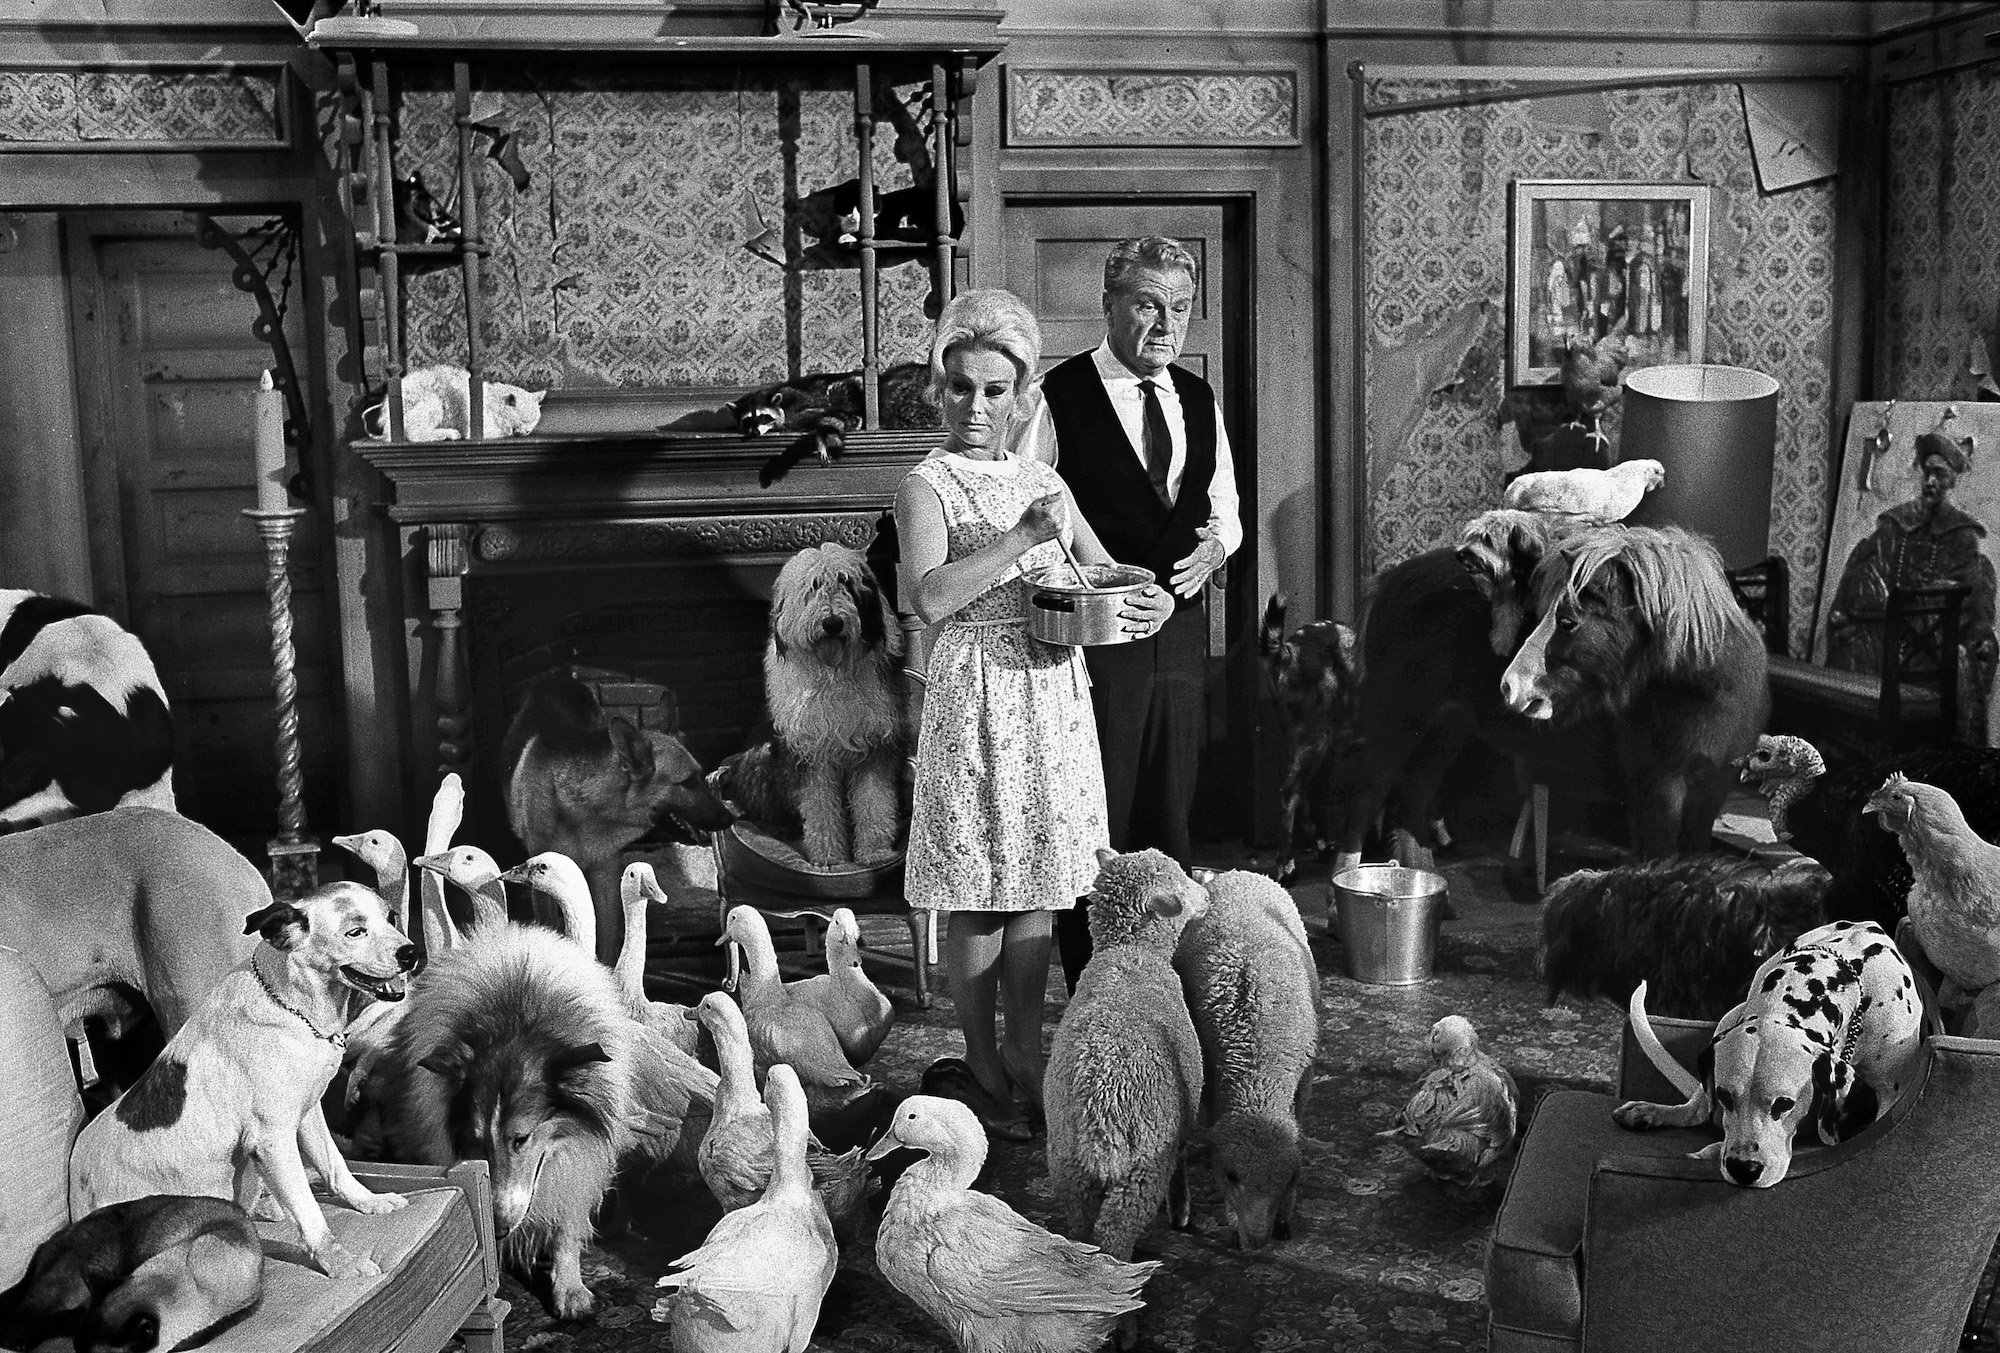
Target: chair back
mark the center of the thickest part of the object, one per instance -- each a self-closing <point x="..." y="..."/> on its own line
<point x="1920" y="647"/>
<point x="1764" y="591"/>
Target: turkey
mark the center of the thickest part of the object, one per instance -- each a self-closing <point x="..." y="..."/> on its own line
<point x="1819" y="811"/>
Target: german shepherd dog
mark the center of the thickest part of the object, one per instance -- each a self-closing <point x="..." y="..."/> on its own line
<point x="1314" y="677"/>
<point x="162" y="1272"/>
<point x="584" y="783"/>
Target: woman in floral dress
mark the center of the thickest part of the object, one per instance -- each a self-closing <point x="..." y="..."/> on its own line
<point x="1009" y="799"/>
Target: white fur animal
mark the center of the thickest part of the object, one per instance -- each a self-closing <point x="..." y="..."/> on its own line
<point x="1601" y="496"/>
<point x="84" y="724"/>
<point x="833" y="686"/>
<point x="437" y="407"/>
<point x="235" y="1095"/>
<point x="1830" y="1035"/>
<point x="1124" y="1080"/>
<point x="1253" y="993"/>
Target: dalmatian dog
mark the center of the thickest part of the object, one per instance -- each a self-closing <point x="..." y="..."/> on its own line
<point x="1828" y="1038"/>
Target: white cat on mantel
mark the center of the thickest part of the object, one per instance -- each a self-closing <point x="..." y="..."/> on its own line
<point x="436" y="407"/>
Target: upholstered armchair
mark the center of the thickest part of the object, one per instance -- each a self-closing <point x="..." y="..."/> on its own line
<point x="440" y="1267"/>
<point x="1611" y="1241"/>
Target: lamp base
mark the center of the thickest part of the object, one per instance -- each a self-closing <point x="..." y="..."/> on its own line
<point x="354" y="27"/>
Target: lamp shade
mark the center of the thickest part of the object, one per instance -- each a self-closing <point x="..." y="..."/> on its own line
<point x="1714" y="428"/>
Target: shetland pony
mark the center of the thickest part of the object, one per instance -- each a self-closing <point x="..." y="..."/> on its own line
<point x="1438" y="632"/>
<point x="1640" y="625"/>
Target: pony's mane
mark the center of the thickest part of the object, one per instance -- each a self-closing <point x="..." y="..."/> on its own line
<point x="1678" y="587"/>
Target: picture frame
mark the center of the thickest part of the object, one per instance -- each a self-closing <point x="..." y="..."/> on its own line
<point x="1595" y="258"/>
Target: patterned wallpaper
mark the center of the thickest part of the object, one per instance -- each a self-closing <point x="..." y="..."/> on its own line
<point x="1436" y="206"/>
<point x="1942" y="233"/>
<point x="1152" y="107"/>
<point x="165" y="105"/>
<point x="623" y="263"/>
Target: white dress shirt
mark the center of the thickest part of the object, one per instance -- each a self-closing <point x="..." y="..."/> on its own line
<point x="1038" y="440"/>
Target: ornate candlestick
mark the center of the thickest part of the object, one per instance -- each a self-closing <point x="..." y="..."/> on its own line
<point x="294" y="855"/>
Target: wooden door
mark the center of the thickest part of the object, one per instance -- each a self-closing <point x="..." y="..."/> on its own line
<point x="167" y="367"/>
<point x="1055" y="262"/>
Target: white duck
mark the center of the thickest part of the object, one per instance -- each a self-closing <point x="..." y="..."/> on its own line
<point x="1597" y="495"/>
<point x="447" y="813"/>
<point x="673" y="1089"/>
<point x="995" y="1280"/>
<point x="786" y="1026"/>
<point x="473" y="870"/>
<point x="735" y="1155"/>
<point x="1460" y="1122"/>
<point x="670" y="1021"/>
<point x="860" y="1014"/>
<point x="756" y="1283"/>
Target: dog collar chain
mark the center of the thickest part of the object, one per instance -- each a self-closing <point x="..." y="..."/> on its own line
<point x="339" y="1040"/>
<point x="1853" y="1037"/>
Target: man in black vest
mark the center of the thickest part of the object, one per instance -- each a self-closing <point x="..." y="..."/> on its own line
<point x="1141" y="445"/>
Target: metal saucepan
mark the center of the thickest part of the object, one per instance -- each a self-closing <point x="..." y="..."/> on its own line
<point x="1060" y="612"/>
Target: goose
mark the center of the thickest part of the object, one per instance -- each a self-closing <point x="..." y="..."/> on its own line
<point x="557" y="875"/>
<point x="735" y="1155"/>
<point x="673" y="1022"/>
<point x="447" y="813"/>
<point x="369" y="1031"/>
<point x="756" y="1283"/>
<point x="995" y="1280"/>
<point x="384" y="855"/>
<point x="860" y="1014"/>
<point x="473" y="870"/>
<point x="786" y="1026"/>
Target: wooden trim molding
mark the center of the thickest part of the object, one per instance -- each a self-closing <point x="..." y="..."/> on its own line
<point x="774" y="535"/>
<point x="1138" y="106"/>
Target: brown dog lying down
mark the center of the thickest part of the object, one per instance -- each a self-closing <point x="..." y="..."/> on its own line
<point x="157" y="1272"/>
<point x="134" y="897"/>
<point x="588" y="785"/>
<point x="235" y="1095"/>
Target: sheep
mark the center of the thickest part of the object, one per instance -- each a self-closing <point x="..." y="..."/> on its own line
<point x="1123" y="1085"/>
<point x="1253" y="994"/>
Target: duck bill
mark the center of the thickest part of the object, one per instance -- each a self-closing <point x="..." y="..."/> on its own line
<point x="884" y="1144"/>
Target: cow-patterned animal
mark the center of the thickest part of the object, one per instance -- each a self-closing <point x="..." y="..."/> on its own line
<point x="1828" y="1037"/>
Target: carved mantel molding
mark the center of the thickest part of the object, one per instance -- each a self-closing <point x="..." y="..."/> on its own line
<point x="699" y="537"/>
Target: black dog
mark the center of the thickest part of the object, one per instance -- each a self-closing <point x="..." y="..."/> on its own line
<point x="156" y="1272"/>
<point x="1693" y="929"/>
<point x="589" y="785"/>
<point x="1313" y="676"/>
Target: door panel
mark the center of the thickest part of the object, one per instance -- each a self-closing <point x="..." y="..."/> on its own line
<point x="1055" y="262"/>
<point x="169" y="335"/>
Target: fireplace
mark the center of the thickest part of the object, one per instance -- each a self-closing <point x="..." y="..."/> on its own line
<point x="644" y="562"/>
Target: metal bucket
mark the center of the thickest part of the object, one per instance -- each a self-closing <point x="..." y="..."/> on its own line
<point x="1387" y="919"/>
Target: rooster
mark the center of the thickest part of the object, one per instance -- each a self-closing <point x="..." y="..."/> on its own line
<point x="1819" y="812"/>
<point x="1601" y="496"/>
<point x="1460" y="1122"/>
<point x="1955" y="898"/>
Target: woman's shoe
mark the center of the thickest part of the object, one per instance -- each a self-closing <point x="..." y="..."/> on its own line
<point x="951" y="1078"/>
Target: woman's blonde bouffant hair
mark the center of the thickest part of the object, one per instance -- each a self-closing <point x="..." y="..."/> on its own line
<point x="997" y="320"/>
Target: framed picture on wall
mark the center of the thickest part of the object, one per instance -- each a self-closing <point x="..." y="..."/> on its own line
<point x="1590" y="260"/>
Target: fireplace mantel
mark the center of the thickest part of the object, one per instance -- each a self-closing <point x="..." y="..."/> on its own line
<point x="523" y="505"/>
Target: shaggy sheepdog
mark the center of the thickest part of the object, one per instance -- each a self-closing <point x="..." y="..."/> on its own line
<point x="84" y="725"/>
<point x="1693" y="929"/>
<point x="833" y="690"/>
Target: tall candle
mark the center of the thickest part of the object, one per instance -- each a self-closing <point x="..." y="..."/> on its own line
<point x="270" y="447"/>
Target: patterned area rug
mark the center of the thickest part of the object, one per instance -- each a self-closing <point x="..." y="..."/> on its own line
<point x="1384" y="1259"/>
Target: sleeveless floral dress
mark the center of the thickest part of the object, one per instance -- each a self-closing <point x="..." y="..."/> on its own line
<point x="1009" y="799"/>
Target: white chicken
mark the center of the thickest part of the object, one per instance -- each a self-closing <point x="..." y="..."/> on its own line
<point x="1602" y="496"/>
<point x="1460" y="1122"/>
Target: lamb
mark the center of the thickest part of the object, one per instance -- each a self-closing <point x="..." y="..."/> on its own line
<point x="1603" y="496"/>
<point x="1124" y="1079"/>
<point x="1253" y="994"/>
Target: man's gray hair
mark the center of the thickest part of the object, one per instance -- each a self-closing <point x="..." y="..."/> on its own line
<point x="1159" y="253"/>
<point x="994" y="319"/>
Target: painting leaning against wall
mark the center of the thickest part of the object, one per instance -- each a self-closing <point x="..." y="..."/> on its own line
<point x="1599" y="260"/>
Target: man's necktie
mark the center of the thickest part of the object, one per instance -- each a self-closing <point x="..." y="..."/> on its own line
<point x="1159" y="446"/>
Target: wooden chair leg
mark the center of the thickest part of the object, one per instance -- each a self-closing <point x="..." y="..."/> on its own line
<point x="484" y="1331"/>
<point x="1539" y="799"/>
<point x="923" y="952"/>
